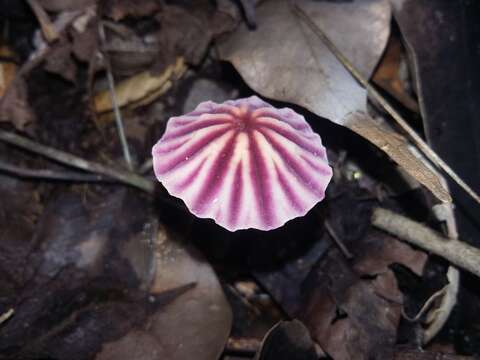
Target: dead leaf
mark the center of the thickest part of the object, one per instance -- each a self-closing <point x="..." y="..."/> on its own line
<point x="80" y="250"/>
<point x="284" y="60"/>
<point x="14" y="105"/>
<point x="351" y="307"/>
<point x="60" y="61"/>
<point x="119" y="9"/>
<point x="140" y="89"/>
<point x="346" y="316"/>
<point x="195" y="326"/>
<point x="389" y="74"/>
<point x="19" y="211"/>
<point x="398" y="148"/>
<point x="287" y="340"/>
<point x="7" y="69"/>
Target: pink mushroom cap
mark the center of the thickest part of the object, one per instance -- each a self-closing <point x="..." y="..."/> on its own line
<point x="243" y="163"/>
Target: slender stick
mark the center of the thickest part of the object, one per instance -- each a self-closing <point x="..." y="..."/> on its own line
<point x="337" y="240"/>
<point x="52" y="174"/>
<point x="77" y="162"/>
<point x="6" y="315"/>
<point x="422" y="145"/>
<point x="46" y="25"/>
<point x="113" y="95"/>
<point x="146" y="166"/>
<point x="457" y="252"/>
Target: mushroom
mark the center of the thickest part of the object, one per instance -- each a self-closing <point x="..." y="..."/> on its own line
<point x="243" y="163"/>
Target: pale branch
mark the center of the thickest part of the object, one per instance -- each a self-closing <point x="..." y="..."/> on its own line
<point x="456" y="252"/>
<point x="113" y="95"/>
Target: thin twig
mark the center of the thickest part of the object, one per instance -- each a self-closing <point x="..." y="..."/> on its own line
<point x="48" y="30"/>
<point x="126" y="177"/>
<point x="337" y="240"/>
<point x="422" y="145"/>
<point x="457" y="252"/>
<point x="113" y="95"/>
<point x="52" y="174"/>
<point x="146" y="166"/>
<point x="6" y="315"/>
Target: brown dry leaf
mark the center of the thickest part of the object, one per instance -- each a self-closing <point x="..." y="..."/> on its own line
<point x="284" y="60"/>
<point x="119" y="9"/>
<point x="14" y="105"/>
<point x="60" y="61"/>
<point x="353" y="318"/>
<point x="388" y="74"/>
<point x="88" y="266"/>
<point x="351" y="307"/>
<point x="19" y="210"/>
<point x="7" y="69"/>
<point x="345" y="315"/>
<point x="140" y="89"/>
<point x="398" y="148"/>
<point x="194" y="326"/>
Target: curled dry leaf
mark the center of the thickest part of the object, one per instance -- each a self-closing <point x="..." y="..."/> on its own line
<point x="284" y="60"/>
<point x="140" y="89"/>
<point x="194" y="326"/>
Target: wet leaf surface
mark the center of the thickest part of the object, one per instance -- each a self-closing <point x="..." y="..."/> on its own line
<point x="284" y="60"/>
<point x="92" y="280"/>
<point x="196" y="325"/>
<point x="287" y="61"/>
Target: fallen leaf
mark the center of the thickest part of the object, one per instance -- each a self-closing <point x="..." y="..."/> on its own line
<point x="19" y="210"/>
<point x="284" y="60"/>
<point x="287" y="340"/>
<point x="60" y="61"/>
<point x="7" y="69"/>
<point x="14" y="105"/>
<point x="119" y="9"/>
<point x="80" y="250"/>
<point x="398" y="148"/>
<point x="351" y="307"/>
<point x="195" y="326"/>
<point x="140" y="89"/>
<point x="389" y="73"/>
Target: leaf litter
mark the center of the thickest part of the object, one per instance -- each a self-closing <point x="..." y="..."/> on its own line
<point x="99" y="270"/>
